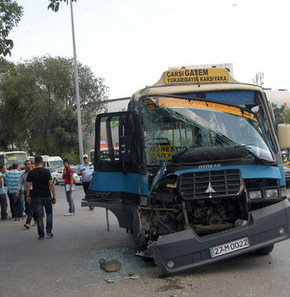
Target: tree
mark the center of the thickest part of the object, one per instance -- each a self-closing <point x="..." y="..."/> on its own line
<point x="5" y="65"/>
<point x="278" y="112"/>
<point x="54" y="5"/>
<point x="286" y="116"/>
<point x="37" y="105"/>
<point x="10" y="14"/>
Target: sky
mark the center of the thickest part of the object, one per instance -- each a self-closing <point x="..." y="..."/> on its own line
<point x="130" y="43"/>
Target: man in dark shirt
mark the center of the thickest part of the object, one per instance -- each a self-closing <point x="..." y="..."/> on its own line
<point x="42" y="186"/>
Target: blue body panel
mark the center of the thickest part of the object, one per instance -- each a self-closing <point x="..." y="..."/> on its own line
<point x="282" y="172"/>
<point x="247" y="171"/>
<point x="232" y="97"/>
<point x="135" y="183"/>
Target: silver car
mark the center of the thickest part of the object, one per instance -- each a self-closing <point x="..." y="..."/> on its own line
<point x="57" y="176"/>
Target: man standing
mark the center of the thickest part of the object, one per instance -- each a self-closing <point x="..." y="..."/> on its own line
<point x="3" y="200"/>
<point x="12" y="178"/>
<point x="68" y="176"/>
<point x="86" y="171"/>
<point x="42" y="186"/>
<point x="29" y="207"/>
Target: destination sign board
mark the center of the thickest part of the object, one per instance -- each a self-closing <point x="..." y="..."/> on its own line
<point x="191" y="76"/>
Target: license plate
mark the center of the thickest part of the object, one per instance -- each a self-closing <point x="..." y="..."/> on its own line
<point x="229" y="247"/>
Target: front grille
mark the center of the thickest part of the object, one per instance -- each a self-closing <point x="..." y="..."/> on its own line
<point x="210" y="184"/>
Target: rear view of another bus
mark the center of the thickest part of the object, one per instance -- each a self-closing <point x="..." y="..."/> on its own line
<point x="18" y="157"/>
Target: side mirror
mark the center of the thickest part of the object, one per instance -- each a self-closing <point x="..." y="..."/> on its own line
<point x="125" y="147"/>
<point x="284" y="136"/>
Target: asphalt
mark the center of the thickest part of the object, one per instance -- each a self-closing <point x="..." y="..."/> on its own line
<point x="67" y="265"/>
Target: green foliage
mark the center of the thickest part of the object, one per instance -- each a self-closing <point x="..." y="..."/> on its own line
<point x="282" y="114"/>
<point x="10" y="14"/>
<point x="286" y="116"/>
<point x="5" y="66"/>
<point x="38" y="109"/>
<point x="72" y="157"/>
<point x="278" y="112"/>
<point x="54" y="4"/>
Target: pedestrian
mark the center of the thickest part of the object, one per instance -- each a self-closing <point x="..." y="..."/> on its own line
<point x="86" y="171"/>
<point x="3" y="199"/>
<point x="12" y="178"/>
<point x="42" y="186"/>
<point x="68" y="177"/>
<point x="29" y="207"/>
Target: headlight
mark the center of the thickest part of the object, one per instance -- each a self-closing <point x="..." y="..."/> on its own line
<point x="272" y="193"/>
<point x="255" y="194"/>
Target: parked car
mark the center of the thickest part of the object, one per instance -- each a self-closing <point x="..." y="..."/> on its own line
<point x="57" y="176"/>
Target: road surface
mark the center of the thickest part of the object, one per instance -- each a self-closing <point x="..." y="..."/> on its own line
<point x="67" y="265"/>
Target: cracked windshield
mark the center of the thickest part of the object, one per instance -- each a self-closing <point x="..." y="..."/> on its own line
<point x="173" y="126"/>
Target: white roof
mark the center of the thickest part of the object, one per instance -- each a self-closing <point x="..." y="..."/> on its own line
<point x="15" y="152"/>
<point x="163" y="88"/>
<point x="51" y="158"/>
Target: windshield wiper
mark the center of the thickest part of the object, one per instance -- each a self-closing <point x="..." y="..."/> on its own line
<point x="209" y="153"/>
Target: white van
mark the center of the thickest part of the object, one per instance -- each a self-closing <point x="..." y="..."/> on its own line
<point x="52" y="162"/>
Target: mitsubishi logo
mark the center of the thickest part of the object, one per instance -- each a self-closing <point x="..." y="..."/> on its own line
<point x="210" y="190"/>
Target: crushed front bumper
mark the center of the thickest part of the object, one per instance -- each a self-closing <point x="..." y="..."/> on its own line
<point x="187" y="250"/>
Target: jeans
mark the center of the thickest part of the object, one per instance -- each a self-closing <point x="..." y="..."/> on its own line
<point x="30" y="212"/>
<point x="29" y="209"/>
<point x="70" y="202"/>
<point x="13" y="204"/>
<point x="39" y="203"/>
<point x="20" y="205"/>
<point x="86" y="186"/>
<point x="3" y="204"/>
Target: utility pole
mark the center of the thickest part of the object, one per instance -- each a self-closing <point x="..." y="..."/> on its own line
<point x="258" y="80"/>
<point x="81" y="150"/>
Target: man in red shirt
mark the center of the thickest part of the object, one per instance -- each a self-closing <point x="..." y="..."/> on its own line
<point x="69" y="186"/>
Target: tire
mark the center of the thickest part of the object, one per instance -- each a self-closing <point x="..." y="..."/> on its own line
<point x="265" y="250"/>
<point x="55" y="181"/>
<point x="137" y="233"/>
<point x="91" y="208"/>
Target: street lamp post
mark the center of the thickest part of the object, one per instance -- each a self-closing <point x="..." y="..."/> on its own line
<point x="81" y="151"/>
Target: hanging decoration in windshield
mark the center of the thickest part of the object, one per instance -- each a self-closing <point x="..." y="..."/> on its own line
<point x="164" y="102"/>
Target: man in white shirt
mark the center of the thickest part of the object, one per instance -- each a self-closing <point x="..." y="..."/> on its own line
<point x="86" y="171"/>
